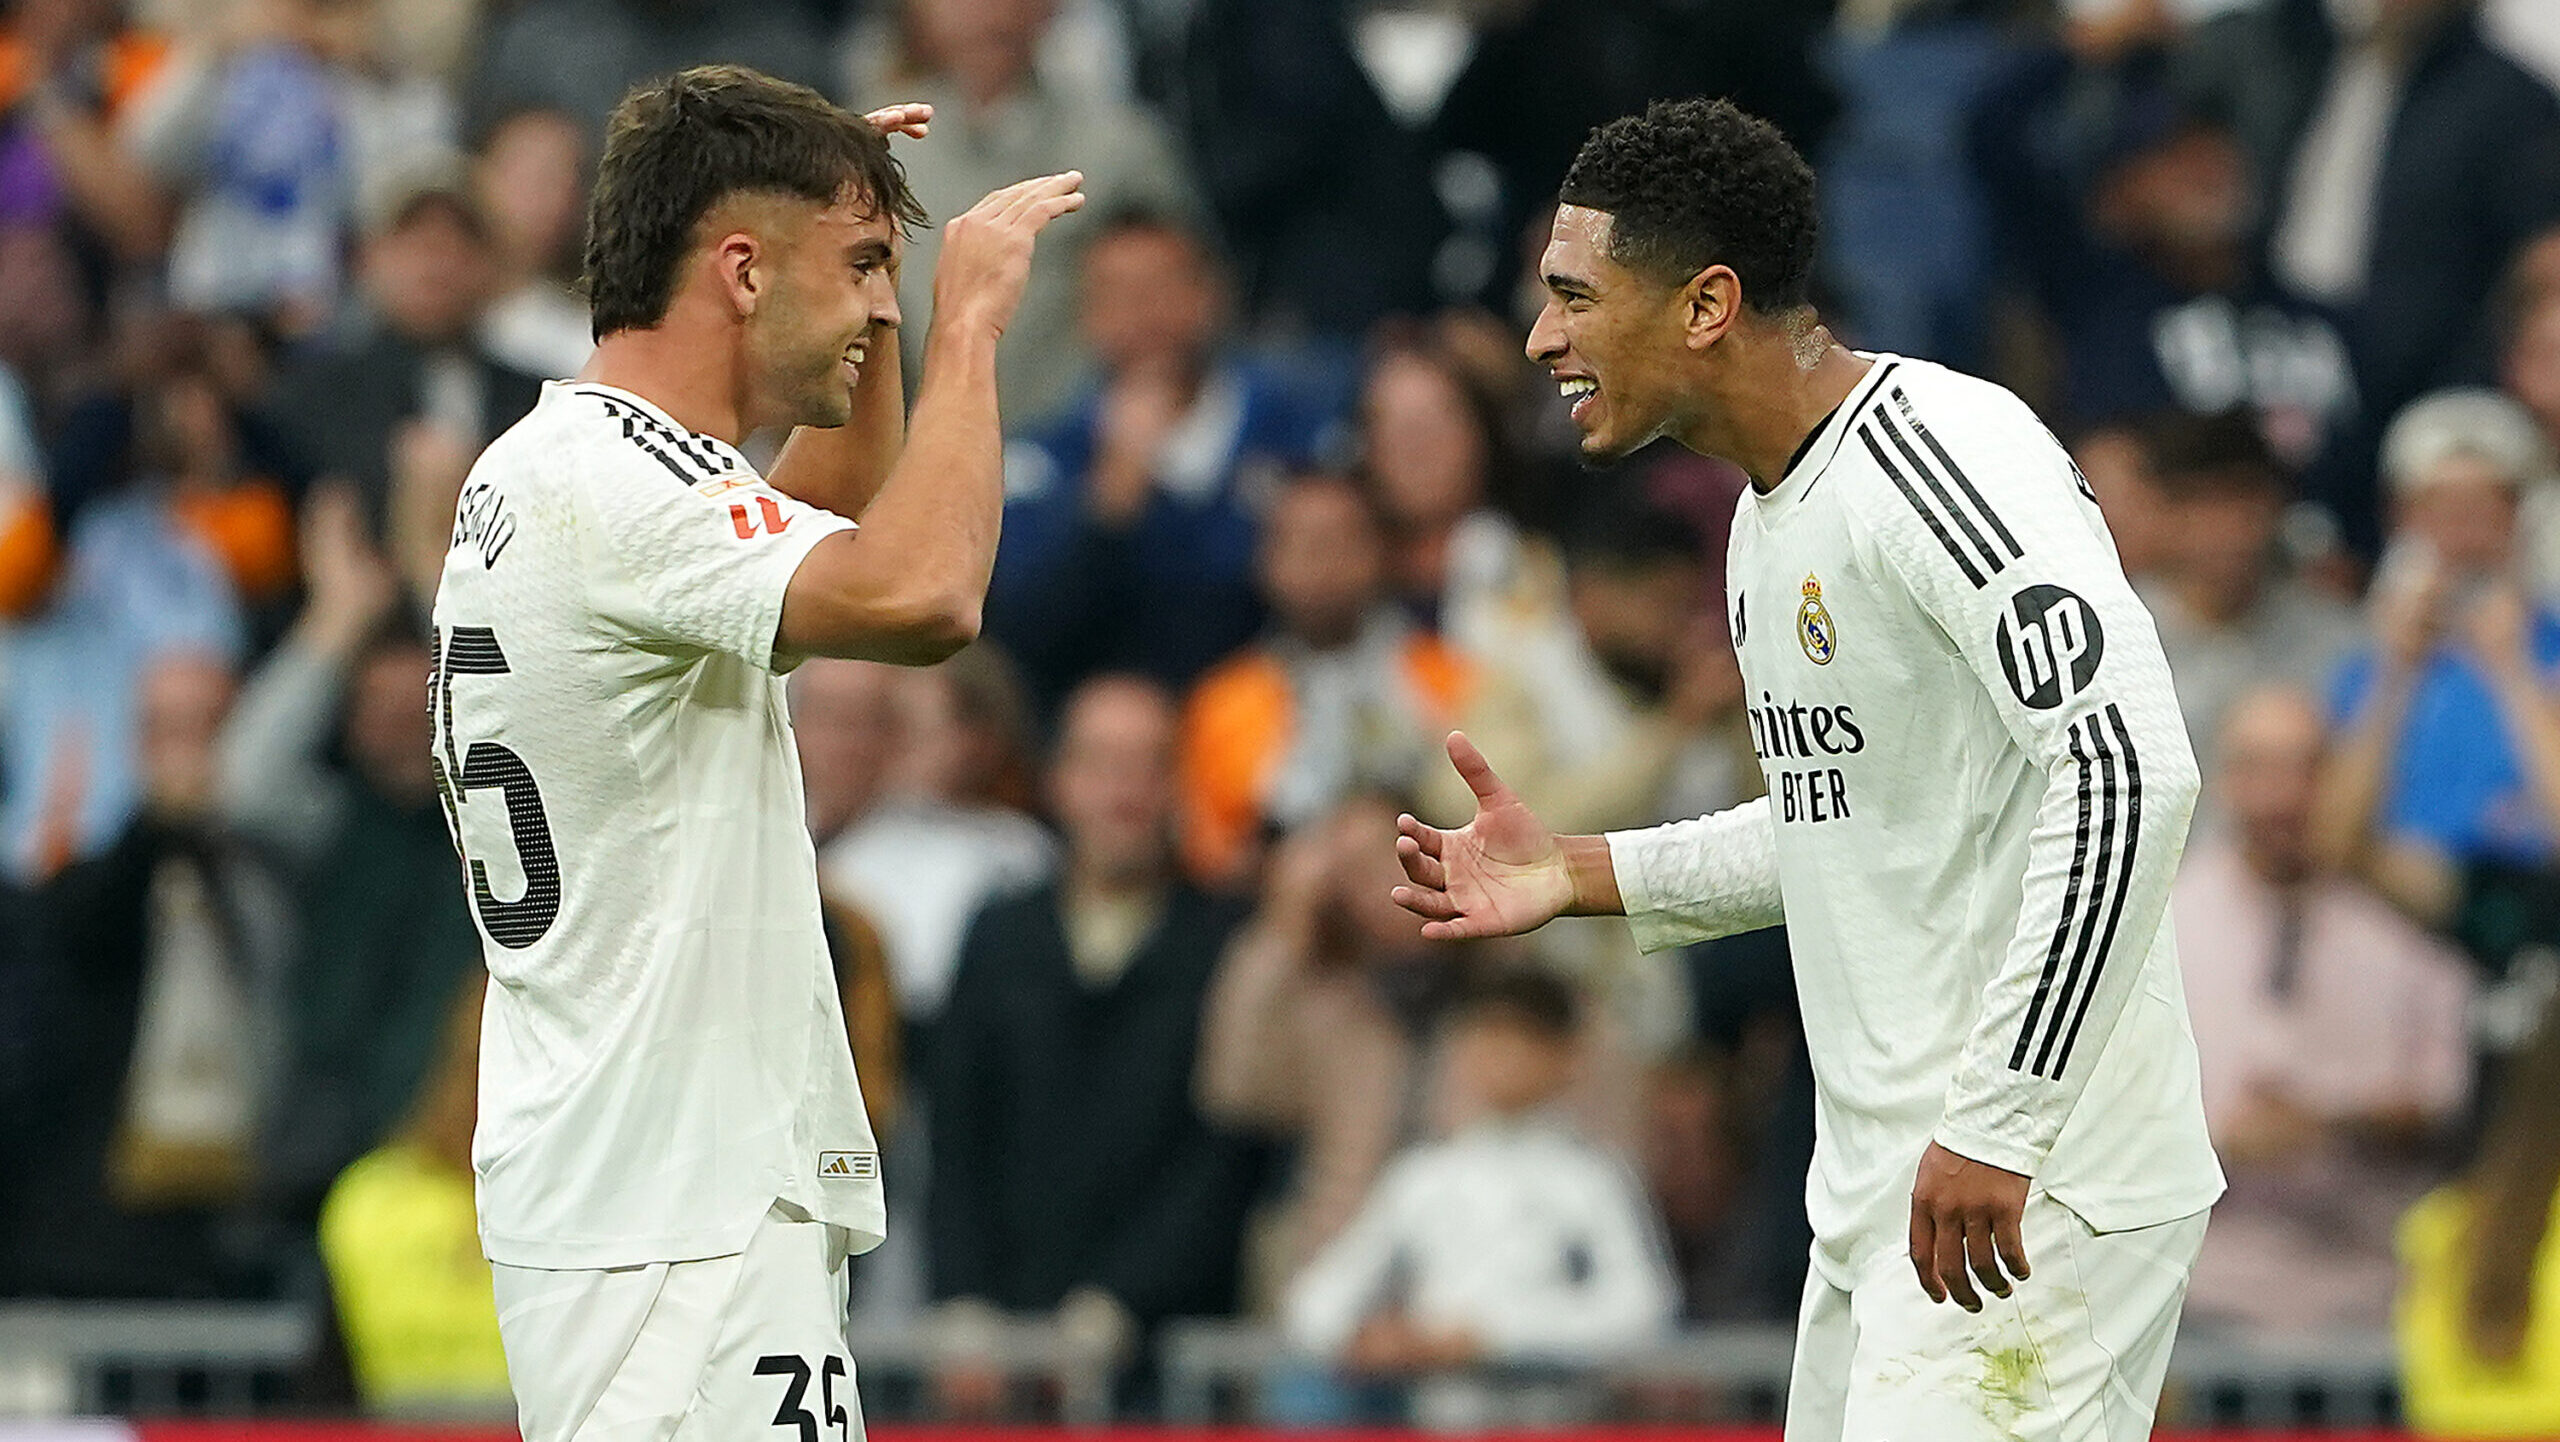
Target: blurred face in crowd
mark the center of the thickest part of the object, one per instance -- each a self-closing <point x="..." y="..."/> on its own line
<point x="1615" y="339"/>
<point x="1636" y="614"/>
<point x="826" y="300"/>
<point x="1423" y="441"/>
<point x="2272" y="742"/>
<point x="844" y="715"/>
<point x="2533" y="357"/>
<point x="1151" y="299"/>
<point x="2186" y="196"/>
<point x="1112" y="781"/>
<point x="429" y="273"/>
<point x="1323" y="560"/>
<point x="2465" y="509"/>
<point x="2137" y="514"/>
<point x="528" y="181"/>
<point x="1502" y="1064"/>
<point x="2223" y="534"/>
<point x="184" y="699"/>
<point x="387" y="732"/>
<point x="986" y="46"/>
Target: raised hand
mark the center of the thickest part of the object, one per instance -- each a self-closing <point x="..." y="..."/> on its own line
<point x="1499" y="875"/>
<point x="986" y="251"/>
<point x="910" y="120"/>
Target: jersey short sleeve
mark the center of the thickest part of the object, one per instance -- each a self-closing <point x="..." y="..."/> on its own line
<point x="696" y="550"/>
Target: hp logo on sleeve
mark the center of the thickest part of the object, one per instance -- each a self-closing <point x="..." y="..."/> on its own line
<point x="2049" y="646"/>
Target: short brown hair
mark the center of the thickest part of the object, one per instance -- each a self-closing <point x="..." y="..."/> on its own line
<point x="679" y="146"/>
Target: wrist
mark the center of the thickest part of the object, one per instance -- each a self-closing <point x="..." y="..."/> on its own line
<point x="1591" y="877"/>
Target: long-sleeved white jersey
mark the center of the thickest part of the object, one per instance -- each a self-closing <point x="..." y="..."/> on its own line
<point x="1978" y="790"/>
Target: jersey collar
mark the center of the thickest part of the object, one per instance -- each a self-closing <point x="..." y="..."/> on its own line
<point x="1814" y="456"/>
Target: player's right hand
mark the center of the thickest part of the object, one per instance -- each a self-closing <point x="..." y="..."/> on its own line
<point x="986" y="250"/>
<point x="1499" y="875"/>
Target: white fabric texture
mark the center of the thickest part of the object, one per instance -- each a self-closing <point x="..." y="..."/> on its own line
<point x="677" y="1351"/>
<point x="663" y="1051"/>
<point x="2076" y="1353"/>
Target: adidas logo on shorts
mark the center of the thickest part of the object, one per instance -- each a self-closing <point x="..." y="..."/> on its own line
<point x="848" y="1166"/>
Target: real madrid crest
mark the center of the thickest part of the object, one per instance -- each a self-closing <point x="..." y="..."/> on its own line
<point x="1820" y="639"/>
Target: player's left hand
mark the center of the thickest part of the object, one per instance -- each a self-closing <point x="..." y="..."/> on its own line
<point x="909" y="120"/>
<point x="1965" y="1215"/>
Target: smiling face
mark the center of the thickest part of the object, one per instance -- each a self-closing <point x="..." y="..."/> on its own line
<point x="819" y="286"/>
<point x="1613" y="337"/>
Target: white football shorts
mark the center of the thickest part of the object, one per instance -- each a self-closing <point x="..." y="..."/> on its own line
<point x="2075" y="1353"/>
<point x="743" y="1346"/>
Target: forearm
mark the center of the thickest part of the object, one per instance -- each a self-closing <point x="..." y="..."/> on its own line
<point x="2348" y="800"/>
<point x="2534" y="720"/>
<point x="843" y="468"/>
<point x="1686" y="881"/>
<point x="942" y="507"/>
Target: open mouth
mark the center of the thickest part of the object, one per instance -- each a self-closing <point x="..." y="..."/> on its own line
<point x="1579" y="392"/>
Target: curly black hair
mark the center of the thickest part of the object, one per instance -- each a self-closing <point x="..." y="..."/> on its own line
<point x="1694" y="183"/>
<point x="677" y="147"/>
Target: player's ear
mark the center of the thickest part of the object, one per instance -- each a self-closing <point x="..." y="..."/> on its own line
<point x="1710" y="303"/>
<point x="738" y="261"/>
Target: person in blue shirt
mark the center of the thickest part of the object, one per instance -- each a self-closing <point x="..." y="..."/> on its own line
<point x="1131" y="521"/>
<point x="2438" y="712"/>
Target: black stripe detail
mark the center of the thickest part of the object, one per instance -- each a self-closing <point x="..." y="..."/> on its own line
<point x="2070" y="908"/>
<point x="2088" y="921"/>
<point x="644" y="431"/>
<point x="2124" y="882"/>
<point x="1920" y="428"/>
<point x="1963" y="562"/>
<point x="1920" y="468"/>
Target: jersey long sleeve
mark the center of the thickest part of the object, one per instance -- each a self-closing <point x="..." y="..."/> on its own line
<point x="2067" y="657"/>
<point x="1696" y="880"/>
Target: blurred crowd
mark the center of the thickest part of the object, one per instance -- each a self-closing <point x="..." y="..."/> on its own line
<point x="1141" y="1029"/>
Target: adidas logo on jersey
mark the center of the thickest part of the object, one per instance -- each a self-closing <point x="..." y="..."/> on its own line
<point x="848" y="1166"/>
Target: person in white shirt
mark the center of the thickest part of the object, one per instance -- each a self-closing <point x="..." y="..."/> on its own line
<point x="1511" y="1239"/>
<point x="1978" y="789"/>
<point x="672" y="1157"/>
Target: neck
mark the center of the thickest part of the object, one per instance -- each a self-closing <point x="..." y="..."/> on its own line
<point x="1757" y="410"/>
<point x="673" y="366"/>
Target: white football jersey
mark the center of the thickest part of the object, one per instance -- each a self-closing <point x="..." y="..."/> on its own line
<point x="663" y="1053"/>
<point x="1979" y="787"/>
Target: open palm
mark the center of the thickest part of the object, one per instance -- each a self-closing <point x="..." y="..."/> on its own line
<point x="1499" y="875"/>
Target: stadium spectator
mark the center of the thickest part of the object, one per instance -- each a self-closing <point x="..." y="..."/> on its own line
<point x="1508" y="1237"/>
<point x="327" y="764"/>
<point x="1343" y="696"/>
<point x="579" y="56"/>
<point x="2529" y="370"/>
<point x="428" y="268"/>
<point x="69" y="73"/>
<point x="2228" y="613"/>
<point x="1434" y="449"/>
<point x="1315" y="1021"/>
<point x="271" y="127"/>
<point x="2455" y="643"/>
<point x="401" y="1238"/>
<point x="2332" y="1035"/>
<point x="1072" y="1171"/>
<point x="2157" y="300"/>
<point x="2479" y="1314"/>
<point x="920" y="861"/>
<point x="132" y="584"/>
<point x="1298" y="151"/>
<point x="997" y="117"/>
<point x="2400" y="160"/>
<point x="162" y="959"/>
<point x="530" y="179"/>
<point x="1131" y="521"/>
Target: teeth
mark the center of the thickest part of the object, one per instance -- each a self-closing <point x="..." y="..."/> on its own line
<point x="1575" y="387"/>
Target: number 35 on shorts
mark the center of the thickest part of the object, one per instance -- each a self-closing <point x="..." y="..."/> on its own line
<point x="795" y="1410"/>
